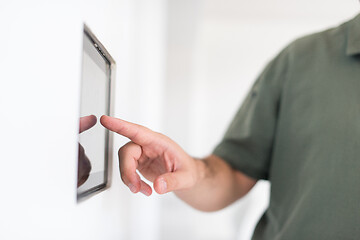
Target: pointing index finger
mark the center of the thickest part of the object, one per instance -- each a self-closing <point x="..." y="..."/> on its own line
<point x="136" y="133"/>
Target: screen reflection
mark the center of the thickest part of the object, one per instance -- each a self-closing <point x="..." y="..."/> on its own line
<point x="84" y="164"/>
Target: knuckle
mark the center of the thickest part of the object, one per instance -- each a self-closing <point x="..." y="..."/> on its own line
<point x="124" y="149"/>
<point x="160" y="135"/>
<point x="163" y="138"/>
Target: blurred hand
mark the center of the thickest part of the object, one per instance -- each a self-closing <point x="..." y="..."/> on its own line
<point x="158" y="158"/>
<point x="84" y="165"/>
<point x="87" y="122"/>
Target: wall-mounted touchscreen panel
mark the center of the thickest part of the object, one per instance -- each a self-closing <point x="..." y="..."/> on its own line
<point x="93" y="159"/>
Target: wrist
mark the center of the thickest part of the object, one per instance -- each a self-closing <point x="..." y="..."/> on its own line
<point x="201" y="169"/>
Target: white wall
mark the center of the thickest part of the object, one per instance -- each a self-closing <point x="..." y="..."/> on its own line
<point x="216" y="50"/>
<point x="40" y="64"/>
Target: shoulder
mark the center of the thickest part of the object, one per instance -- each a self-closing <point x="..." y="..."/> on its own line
<point x="307" y="53"/>
<point x="303" y="54"/>
<point x="316" y="45"/>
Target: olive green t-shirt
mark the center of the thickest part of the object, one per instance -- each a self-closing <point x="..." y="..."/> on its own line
<point x="299" y="128"/>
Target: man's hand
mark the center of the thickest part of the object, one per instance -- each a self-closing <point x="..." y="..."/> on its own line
<point x="207" y="185"/>
<point x="84" y="165"/>
<point x="158" y="158"/>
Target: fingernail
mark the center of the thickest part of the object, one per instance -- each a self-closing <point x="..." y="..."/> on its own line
<point x="132" y="188"/>
<point x="145" y="193"/>
<point x="163" y="186"/>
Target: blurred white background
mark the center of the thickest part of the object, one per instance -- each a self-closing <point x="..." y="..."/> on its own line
<point x="183" y="68"/>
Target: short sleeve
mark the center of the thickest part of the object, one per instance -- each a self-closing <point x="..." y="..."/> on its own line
<point x="248" y="142"/>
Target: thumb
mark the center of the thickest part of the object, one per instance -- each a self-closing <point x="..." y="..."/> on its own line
<point x="172" y="181"/>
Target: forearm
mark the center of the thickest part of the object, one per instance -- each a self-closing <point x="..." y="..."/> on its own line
<point x="217" y="185"/>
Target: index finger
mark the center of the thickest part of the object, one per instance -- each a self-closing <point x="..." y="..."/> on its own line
<point x="136" y="133"/>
